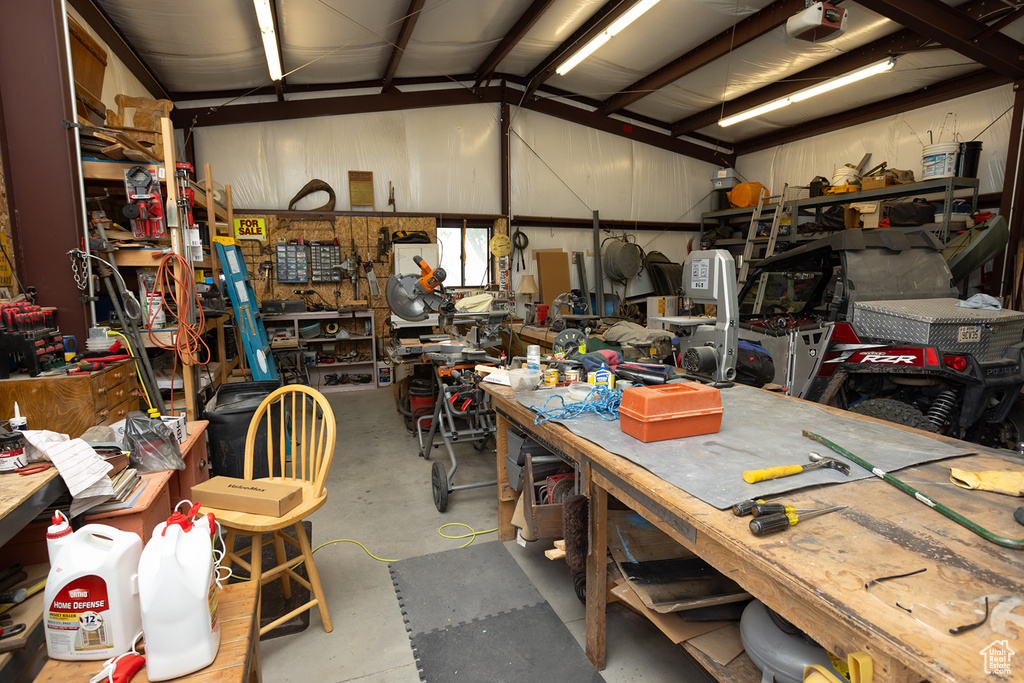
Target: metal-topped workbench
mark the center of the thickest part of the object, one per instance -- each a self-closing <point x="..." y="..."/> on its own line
<point x="814" y="574"/>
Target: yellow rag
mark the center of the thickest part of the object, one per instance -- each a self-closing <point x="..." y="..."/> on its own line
<point x="1006" y="482"/>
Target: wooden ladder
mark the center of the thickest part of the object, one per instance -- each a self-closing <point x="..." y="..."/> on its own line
<point x="755" y="219"/>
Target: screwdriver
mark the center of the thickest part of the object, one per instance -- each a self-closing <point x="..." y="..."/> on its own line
<point x="772" y="524"/>
<point x="761" y="509"/>
<point x="746" y="507"/>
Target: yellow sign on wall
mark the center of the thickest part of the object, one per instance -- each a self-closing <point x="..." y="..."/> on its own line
<point x="250" y="228"/>
<point x="6" y="274"/>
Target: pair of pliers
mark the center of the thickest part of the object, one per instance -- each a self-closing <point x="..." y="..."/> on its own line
<point x="33" y="469"/>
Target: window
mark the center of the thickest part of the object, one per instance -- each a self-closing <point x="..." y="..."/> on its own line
<point x="467" y="260"/>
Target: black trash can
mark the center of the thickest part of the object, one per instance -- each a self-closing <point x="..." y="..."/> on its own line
<point x="230" y="411"/>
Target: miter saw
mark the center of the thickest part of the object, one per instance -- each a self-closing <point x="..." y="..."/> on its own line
<point x="412" y="297"/>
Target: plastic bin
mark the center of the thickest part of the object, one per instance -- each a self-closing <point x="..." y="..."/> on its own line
<point x="230" y="411"/>
<point x="670" y="411"/>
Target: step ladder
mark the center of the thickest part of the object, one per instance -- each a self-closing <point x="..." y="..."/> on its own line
<point x="750" y="246"/>
<point x="247" y="312"/>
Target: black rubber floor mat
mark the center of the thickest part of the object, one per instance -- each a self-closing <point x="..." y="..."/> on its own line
<point x="528" y="644"/>
<point x="472" y="614"/>
<point x="273" y="603"/>
<point x="454" y="586"/>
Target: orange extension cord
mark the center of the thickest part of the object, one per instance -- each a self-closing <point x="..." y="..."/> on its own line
<point x="187" y="344"/>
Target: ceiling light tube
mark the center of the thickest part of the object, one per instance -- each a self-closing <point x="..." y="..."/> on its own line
<point x="600" y="39"/>
<point x="265" y="18"/>
<point x="821" y="88"/>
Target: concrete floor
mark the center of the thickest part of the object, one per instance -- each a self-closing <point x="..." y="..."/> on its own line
<point x="380" y="495"/>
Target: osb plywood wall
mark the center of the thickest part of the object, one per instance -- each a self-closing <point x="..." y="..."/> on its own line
<point x="5" y="228"/>
<point x="364" y="230"/>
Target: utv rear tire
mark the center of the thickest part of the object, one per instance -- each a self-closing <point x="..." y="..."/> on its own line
<point x="891" y="410"/>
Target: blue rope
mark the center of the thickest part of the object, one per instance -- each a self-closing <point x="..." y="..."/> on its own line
<point x="600" y="401"/>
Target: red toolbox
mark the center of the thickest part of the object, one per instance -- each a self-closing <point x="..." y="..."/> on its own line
<point x="670" y="411"/>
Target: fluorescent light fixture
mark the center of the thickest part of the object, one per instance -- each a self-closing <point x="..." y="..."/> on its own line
<point x="600" y="39"/>
<point x="266" y="21"/>
<point x="801" y="95"/>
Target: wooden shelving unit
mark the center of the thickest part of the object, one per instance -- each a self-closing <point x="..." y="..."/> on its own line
<point x="217" y="214"/>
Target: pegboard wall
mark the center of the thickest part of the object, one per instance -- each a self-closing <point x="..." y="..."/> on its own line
<point x="364" y="230"/>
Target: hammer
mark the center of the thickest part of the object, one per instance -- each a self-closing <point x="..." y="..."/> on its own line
<point x="817" y="461"/>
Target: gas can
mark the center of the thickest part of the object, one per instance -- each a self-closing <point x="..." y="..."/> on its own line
<point x="178" y="596"/>
<point x="91" y="608"/>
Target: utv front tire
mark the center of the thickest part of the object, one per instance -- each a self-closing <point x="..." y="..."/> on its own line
<point x="891" y="410"/>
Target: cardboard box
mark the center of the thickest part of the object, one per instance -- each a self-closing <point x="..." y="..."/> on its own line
<point x="877" y="182"/>
<point x="177" y="425"/>
<point x="851" y="217"/>
<point x="870" y="213"/>
<point x="260" y="497"/>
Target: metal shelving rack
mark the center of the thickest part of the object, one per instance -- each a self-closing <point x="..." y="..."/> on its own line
<point x="946" y="186"/>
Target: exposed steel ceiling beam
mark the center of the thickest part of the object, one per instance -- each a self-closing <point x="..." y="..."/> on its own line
<point x="602" y="19"/>
<point x="511" y="39"/>
<point x="895" y="43"/>
<point x="754" y="26"/>
<point x="899" y="42"/>
<point x="592" y="119"/>
<point x="404" y="33"/>
<point x="331" y="106"/>
<point x="955" y="29"/>
<point x="98" y="22"/>
<point x="932" y="94"/>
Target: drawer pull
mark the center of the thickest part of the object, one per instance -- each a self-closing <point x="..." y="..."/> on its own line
<point x="101" y="390"/>
<point x="202" y="464"/>
<point x="102" y="415"/>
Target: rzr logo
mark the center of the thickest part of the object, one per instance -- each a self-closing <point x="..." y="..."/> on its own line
<point x="886" y="358"/>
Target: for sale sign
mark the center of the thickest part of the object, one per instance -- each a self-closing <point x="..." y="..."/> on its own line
<point x="250" y="228"/>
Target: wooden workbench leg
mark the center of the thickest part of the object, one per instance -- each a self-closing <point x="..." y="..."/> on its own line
<point x="506" y="494"/>
<point x="597" y="593"/>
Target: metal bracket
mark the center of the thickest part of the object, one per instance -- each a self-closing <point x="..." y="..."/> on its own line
<point x="68" y="125"/>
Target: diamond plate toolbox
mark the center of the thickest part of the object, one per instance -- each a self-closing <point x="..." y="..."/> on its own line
<point x="942" y="324"/>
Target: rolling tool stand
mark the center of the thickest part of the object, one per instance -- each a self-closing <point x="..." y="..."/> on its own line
<point x="462" y="414"/>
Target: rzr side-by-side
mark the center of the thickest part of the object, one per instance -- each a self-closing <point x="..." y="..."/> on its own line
<point x="868" y="320"/>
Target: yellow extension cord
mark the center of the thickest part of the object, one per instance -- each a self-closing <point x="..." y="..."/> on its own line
<point x="471" y="536"/>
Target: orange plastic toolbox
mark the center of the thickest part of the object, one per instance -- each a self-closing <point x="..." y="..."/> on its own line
<point x="670" y="411"/>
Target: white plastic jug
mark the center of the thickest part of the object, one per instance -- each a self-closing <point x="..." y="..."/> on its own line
<point x="92" y="596"/>
<point x="178" y="595"/>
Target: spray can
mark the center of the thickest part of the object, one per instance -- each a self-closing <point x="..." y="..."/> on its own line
<point x="57" y="535"/>
<point x="91" y="608"/>
<point x="533" y="357"/>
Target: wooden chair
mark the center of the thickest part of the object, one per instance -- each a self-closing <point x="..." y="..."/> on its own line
<point x="300" y="436"/>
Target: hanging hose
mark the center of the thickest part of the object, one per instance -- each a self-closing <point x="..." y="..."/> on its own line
<point x="941" y="407"/>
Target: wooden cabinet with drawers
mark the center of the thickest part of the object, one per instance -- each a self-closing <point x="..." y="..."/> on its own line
<point x="70" y="404"/>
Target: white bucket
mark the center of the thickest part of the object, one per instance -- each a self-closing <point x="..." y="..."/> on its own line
<point x="939" y="160"/>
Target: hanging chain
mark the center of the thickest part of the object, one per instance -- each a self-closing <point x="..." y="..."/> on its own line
<point x="79" y="268"/>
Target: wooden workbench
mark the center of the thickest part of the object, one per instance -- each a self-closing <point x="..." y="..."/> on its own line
<point x="238" y="658"/>
<point x="814" y="574"/>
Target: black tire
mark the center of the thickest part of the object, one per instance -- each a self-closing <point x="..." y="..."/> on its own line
<point x="891" y="410"/>
<point x="579" y="586"/>
<point x="439" y="486"/>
